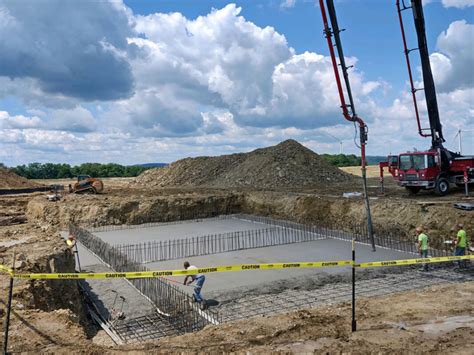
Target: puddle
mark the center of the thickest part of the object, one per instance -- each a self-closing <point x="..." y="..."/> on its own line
<point x="444" y="325"/>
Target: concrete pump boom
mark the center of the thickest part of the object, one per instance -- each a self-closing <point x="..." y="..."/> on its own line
<point x="435" y="129"/>
<point x="348" y="115"/>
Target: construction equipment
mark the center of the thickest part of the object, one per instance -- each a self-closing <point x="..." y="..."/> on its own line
<point x="438" y="167"/>
<point x="348" y="109"/>
<point x="86" y="184"/>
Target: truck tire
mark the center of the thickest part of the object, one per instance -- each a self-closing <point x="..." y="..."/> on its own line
<point x="442" y="186"/>
<point x="413" y="190"/>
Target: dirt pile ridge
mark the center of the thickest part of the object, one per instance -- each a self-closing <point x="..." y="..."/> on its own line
<point x="288" y="164"/>
<point x="10" y="180"/>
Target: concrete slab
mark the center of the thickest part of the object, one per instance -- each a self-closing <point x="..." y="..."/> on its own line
<point x="103" y="291"/>
<point x="320" y="250"/>
<point x="178" y="231"/>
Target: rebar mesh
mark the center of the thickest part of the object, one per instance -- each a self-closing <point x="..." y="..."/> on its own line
<point x="177" y="306"/>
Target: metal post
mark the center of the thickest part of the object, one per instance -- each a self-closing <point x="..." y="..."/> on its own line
<point x="466" y="180"/>
<point x="9" y="308"/>
<point x="354" y="322"/>
<point x="76" y="252"/>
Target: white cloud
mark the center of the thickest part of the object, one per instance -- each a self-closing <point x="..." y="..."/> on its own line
<point x="460" y="4"/>
<point x="213" y="85"/>
<point x="67" y="48"/>
<point x="455" y="55"/>
<point x="288" y="3"/>
<point x="76" y="120"/>
<point x="18" y="121"/>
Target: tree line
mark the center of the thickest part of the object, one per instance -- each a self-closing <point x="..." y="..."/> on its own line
<point x="341" y="160"/>
<point x="61" y="171"/>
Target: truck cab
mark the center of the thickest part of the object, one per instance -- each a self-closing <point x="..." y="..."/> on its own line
<point x="434" y="169"/>
<point x="418" y="170"/>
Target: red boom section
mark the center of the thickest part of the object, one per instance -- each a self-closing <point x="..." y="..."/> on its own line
<point x="410" y="75"/>
<point x="345" y="112"/>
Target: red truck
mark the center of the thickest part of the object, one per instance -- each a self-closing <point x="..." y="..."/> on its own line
<point x="429" y="170"/>
<point x="436" y="168"/>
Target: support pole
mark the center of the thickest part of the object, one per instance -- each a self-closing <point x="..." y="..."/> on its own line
<point x="354" y="322"/>
<point x="6" y="325"/>
<point x="466" y="182"/>
<point x="76" y="252"/>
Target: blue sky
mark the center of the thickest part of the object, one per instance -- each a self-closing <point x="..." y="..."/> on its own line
<point x="144" y="81"/>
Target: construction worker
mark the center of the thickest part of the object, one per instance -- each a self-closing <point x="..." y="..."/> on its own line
<point x="422" y="245"/>
<point x="199" y="278"/>
<point x="71" y="242"/>
<point x="461" y="243"/>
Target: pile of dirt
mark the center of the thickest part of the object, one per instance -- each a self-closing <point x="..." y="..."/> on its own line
<point x="288" y="164"/>
<point x="10" y="180"/>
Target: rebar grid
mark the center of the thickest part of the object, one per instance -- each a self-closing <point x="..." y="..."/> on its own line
<point x="174" y="304"/>
<point x="334" y="293"/>
<point x="281" y="233"/>
<point x="217" y="243"/>
<point x="385" y="238"/>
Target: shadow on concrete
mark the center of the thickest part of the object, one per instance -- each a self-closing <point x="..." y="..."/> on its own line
<point x="212" y="303"/>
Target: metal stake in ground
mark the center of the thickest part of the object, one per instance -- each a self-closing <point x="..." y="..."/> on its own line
<point x="9" y="308"/>
<point x="354" y="322"/>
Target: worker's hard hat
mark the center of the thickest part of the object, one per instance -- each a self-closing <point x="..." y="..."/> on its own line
<point x="419" y="229"/>
<point x="460" y="225"/>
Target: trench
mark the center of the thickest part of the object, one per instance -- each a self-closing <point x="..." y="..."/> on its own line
<point x="163" y="306"/>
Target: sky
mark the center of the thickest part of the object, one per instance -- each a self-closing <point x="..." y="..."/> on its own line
<point x="139" y="81"/>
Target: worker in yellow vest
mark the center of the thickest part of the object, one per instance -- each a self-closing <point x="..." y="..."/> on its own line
<point x="461" y="244"/>
<point x="422" y="245"/>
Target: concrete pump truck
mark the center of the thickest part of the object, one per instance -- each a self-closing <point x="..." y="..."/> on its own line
<point x="436" y="168"/>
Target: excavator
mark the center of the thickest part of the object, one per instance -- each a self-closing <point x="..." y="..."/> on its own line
<point x="436" y="168"/>
<point x="86" y="184"/>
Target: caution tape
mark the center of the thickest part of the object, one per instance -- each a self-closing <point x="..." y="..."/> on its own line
<point x="6" y="269"/>
<point x="241" y="267"/>
<point x="413" y="261"/>
<point x="160" y="273"/>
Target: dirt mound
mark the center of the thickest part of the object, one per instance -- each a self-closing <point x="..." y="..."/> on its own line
<point x="288" y="164"/>
<point x="10" y="180"/>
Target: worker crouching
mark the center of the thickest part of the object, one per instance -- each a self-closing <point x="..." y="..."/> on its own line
<point x="199" y="279"/>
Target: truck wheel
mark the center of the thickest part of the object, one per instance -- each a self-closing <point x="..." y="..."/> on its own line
<point x="442" y="186"/>
<point x="413" y="190"/>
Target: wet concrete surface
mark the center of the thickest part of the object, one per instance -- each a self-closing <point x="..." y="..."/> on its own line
<point x="178" y="231"/>
<point x="320" y="250"/>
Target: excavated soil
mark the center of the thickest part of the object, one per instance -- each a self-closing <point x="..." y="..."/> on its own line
<point x="10" y="180"/>
<point x="49" y="315"/>
<point x="288" y="164"/>
<point x="437" y="320"/>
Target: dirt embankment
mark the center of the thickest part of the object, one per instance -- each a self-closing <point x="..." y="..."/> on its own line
<point x="288" y="164"/>
<point x="10" y="180"/>
<point x="399" y="216"/>
<point x="98" y="210"/>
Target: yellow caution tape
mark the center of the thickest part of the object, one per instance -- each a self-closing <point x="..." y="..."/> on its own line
<point x="413" y="261"/>
<point x="150" y="274"/>
<point x="242" y="267"/>
<point x="6" y="269"/>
